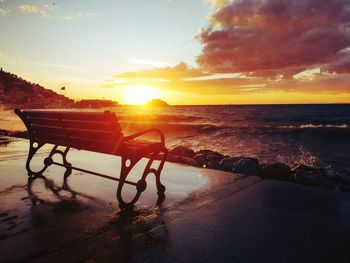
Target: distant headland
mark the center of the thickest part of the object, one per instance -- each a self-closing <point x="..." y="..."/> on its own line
<point x="157" y="103"/>
<point x="16" y="92"/>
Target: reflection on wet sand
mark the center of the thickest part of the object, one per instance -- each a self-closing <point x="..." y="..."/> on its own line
<point x="47" y="213"/>
<point x="60" y="192"/>
<point x="58" y="216"/>
<point x="123" y="231"/>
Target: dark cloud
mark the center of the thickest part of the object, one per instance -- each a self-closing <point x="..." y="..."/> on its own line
<point x="340" y="65"/>
<point x="270" y="37"/>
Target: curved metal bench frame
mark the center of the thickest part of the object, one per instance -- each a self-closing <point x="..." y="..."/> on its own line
<point x="127" y="163"/>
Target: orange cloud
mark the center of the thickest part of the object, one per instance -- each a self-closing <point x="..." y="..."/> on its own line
<point x="179" y="71"/>
<point x="194" y="80"/>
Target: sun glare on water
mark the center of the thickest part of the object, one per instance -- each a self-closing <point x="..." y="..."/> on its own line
<point x="139" y="95"/>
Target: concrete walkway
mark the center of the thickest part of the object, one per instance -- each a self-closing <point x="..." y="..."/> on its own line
<point x="231" y="219"/>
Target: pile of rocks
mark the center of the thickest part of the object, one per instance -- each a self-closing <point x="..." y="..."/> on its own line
<point x="300" y="173"/>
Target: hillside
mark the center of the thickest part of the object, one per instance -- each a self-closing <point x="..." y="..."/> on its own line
<point x="157" y="103"/>
<point x="17" y="92"/>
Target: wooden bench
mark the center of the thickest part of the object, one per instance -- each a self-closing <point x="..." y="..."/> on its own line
<point x="97" y="132"/>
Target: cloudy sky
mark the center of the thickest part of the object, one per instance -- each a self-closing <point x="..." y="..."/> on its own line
<point x="183" y="51"/>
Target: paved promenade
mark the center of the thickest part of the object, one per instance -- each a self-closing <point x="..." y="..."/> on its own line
<point x="208" y="216"/>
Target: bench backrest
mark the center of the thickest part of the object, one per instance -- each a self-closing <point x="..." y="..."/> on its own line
<point x="92" y="131"/>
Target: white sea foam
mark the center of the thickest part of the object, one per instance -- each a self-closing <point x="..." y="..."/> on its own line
<point x="314" y="126"/>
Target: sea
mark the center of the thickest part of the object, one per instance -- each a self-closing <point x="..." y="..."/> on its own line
<point x="316" y="135"/>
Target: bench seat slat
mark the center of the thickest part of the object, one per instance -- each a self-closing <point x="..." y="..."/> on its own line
<point x="102" y="146"/>
<point x="109" y="147"/>
<point x="44" y="122"/>
<point x="83" y="125"/>
<point x="87" y="134"/>
<point x="48" y="129"/>
<point x="97" y="134"/>
<point x="89" y="116"/>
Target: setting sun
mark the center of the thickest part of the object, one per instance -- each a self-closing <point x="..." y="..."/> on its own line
<point x="139" y="95"/>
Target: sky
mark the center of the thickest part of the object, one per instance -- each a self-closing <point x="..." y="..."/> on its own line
<point x="182" y="51"/>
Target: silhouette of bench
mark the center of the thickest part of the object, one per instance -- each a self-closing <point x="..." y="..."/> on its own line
<point x="97" y="132"/>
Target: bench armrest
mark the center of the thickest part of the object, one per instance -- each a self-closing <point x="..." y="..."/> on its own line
<point x="138" y="134"/>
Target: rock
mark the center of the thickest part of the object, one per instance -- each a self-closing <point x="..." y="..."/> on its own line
<point x="208" y="158"/>
<point x="214" y="164"/>
<point x="226" y="164"/>
<point x="247" y="166"/>
<point x="188" y="161"/>
<point x="312" y="176"/>
<point x="211" y="154"/>
<point x="201" y="160"/>
<point x="276" y="171"/>
<point x="205" y="152"/>
<point x="182" y="151"/>
<point x="182" y="159"/>
<point x="216" y="156"/>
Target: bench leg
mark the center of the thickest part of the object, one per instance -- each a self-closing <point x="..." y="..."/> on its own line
<point x="126" y="166"/>
<point x="66" y="164"/>
<point x="160" y="186"/>
<point x="157" y="172"/>
<point x="34" y="146"/>
<point x="141" y="184"/>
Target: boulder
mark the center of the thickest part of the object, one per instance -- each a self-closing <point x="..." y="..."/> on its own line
<point x="226" y="164"/>
<point x="210" y="154"/>
<point x="305" y="174"/>
<point x="205" y="152"/>
<point x="276" y="171"/>
<point x="182" y="151"/>
<point x="214" y="164"/>
<point x="201" y="160"/>
<point x="247" y="166"/>
<point x="182" y="159"/>
<point x="216" y="156"/>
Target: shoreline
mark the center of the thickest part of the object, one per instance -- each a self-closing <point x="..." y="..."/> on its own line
<point x="249" y="166"/>
<point x="230" y="208"/>
<point x="298" y="173"/>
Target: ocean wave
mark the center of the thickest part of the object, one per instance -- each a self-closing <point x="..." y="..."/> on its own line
<point x="174" y="127"/>
<point x="224" y="130"/>
<point x="314" y="126"/>
<point x="148" y="118"/>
